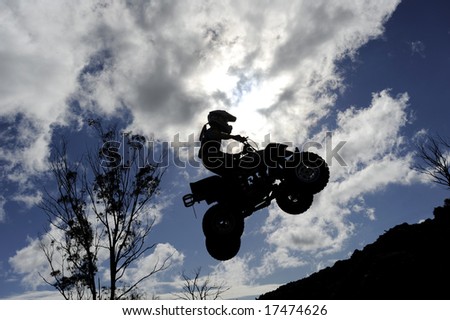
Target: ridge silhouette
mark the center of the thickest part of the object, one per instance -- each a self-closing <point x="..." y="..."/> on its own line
<point x="406" y="262"/>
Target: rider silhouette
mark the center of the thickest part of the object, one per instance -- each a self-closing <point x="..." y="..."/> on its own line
<point x="216" y="130"/>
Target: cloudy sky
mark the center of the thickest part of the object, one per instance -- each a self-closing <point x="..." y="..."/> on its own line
<point x="374" y="74"/>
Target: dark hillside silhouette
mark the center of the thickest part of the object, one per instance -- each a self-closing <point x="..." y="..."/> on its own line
<point x="406" y="262"/>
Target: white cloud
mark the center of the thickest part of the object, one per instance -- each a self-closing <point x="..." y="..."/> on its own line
<point x="41" y="55"/>
<point x="2" y="208"/>
<point x="31" y="263"/>
<point x="37" y="295"/>
<point x="372" y="131"/>
<point x="169" y="62"/>
<point x="418" y="47"/>
<point x="163" y="254"/>
<point x="376" y="158"/>
<point x="236" y="271"/>
<point x="29" y="200"/>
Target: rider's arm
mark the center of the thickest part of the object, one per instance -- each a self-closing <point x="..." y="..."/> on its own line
<point x="231" y="136"/>
<point x="213" y="134"/>
<point x="226" y="136"/>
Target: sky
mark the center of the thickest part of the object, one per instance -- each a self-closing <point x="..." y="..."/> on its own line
<point x="373" y="75"/>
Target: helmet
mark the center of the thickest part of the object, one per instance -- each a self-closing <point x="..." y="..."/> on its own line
<point x="218" y="119"/>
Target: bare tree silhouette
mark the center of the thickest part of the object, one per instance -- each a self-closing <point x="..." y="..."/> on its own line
<point x="434" y="153"/>
<point x="101" y="207"/>
<point x="200" y="288"/>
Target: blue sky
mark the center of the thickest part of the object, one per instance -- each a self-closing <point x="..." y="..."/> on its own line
<point x="373" y="73"/>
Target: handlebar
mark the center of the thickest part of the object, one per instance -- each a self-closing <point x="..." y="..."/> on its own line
<point x="247" y="146"/>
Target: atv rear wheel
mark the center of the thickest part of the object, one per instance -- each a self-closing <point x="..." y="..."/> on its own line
<point x="295" y="202"/>
<point x="219" y="221"/>
<point x="223" y="248"/>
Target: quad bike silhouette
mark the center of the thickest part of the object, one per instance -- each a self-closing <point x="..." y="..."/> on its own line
<point x="291" y="178"/>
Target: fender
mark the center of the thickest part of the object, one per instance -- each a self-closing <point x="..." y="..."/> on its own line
<point x="208" y="189"/>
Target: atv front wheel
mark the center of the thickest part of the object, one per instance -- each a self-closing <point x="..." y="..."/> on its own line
<point x="311" y="174"/>
<point x="219" y="221"/>
<point x="295" y="202"/>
